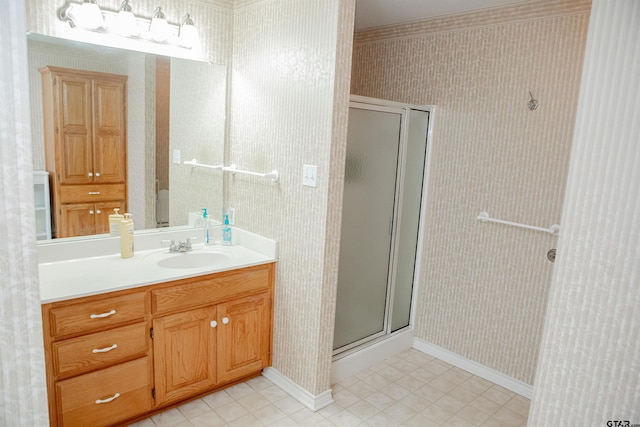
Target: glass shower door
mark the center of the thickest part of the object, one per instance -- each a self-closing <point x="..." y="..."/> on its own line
<point x="367" y="224"/>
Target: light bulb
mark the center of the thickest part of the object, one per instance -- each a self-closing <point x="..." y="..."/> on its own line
<point x="89" y="16"/>
<point x="126" y="23"/>
<point x="159" y="27"/>
<point x="188" y="35"/>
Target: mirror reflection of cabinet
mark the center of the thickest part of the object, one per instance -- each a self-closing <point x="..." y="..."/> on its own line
<point x="85" y="135"/>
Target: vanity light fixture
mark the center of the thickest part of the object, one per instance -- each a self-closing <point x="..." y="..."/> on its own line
<point x="124" y="23"/>
<point x="187" y="34"/>
<point x="159" y="27"/>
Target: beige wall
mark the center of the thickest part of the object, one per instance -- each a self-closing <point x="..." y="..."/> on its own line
<point x="483" y="289"/>
<point x="590" y="354"/>
<point x="289" y="69"/>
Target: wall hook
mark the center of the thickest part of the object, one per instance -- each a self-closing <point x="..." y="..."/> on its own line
<point x="533" y="103"/>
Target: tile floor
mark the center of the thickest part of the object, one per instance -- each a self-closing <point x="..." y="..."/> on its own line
<point x="409" y="389"/>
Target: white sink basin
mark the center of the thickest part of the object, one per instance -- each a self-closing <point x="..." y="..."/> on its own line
<point x="192" y="259"/>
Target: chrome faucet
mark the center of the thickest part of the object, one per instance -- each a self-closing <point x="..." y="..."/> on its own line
<point x="185" y="246"/>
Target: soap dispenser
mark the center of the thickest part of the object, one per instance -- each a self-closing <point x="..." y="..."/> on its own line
<point x="208" y="238"/>
<point x="226" y="232"/>
<point x="126" y="236"/>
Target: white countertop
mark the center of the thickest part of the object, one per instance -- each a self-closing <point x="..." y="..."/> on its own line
<point x="63" y="279"/>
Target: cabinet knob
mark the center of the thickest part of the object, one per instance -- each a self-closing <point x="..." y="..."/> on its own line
<point x="90" y="174"/>
<point x="91" y="212"/>
<point x="213" y="323"/>
<point x="98" y="211"/>
<point x="97" y="173"/>
<point x="225" y="320"/>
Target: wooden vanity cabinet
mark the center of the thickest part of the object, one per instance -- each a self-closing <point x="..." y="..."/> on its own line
<point x="85" y="133"/>
<point x="124" y="355"/>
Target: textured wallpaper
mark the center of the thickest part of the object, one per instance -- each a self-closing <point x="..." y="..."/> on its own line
<point x="23" y="396"/>
<point x="197" y="130"/>
<point x="283" y="89"/>
<point x="484" y="287"/>
<point x="590" y="357"/>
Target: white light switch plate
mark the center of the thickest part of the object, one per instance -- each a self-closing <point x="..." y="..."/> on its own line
<point x="176" y="157"/>
<point x="310" y="175"/>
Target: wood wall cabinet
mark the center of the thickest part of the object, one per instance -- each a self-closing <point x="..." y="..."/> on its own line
<point x="85" y="132"/>
<point x="122" y="356"/>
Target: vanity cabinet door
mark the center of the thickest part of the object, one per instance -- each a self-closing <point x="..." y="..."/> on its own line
<point x="184" y="351"/>
<point x="244" y="337"/>
<point x="106" y="209"/>
<point x="74" y="116"/>
<point x="110" y="148"/>
<point x="78" y="219"/>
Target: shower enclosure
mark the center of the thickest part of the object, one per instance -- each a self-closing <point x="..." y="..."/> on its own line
<point x="383" y="198"/>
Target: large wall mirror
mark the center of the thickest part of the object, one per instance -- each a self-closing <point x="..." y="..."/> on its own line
<point x="176" y="111"/>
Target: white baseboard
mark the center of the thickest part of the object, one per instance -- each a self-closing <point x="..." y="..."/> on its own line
<point x="312" y="402"/>
<point x="368" y="356"/>
<point x="496" y="377"/>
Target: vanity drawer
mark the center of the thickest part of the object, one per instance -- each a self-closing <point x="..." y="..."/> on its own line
<point x="78" y="355"/>
<point x="211" y="289"/>
<point x="94" y="315"/>
<point x="105" y="397"/>
<point x="92" y="193"/>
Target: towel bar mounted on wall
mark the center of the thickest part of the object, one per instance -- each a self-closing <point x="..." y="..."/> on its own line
<point x="234" y="169"/>
<point x="553" y="230"/>
<point x="195" y="163"/>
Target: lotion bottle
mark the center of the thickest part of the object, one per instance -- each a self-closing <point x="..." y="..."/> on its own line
<point x="114" y="222"/>
<point x="126" y="236"/>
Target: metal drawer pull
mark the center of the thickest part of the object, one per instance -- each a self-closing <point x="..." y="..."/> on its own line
<point x="104" y="350"/>
<point x="93" y="193"/>
<point x="100" y="316"/>
<point x="213" y="323"/>
<point x="111" y="399"/>
<point x="225" y="320"/>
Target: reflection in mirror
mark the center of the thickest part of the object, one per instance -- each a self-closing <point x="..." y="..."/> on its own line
<point x="175" y="112"/>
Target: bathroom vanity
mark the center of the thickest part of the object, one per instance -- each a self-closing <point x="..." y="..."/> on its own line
<point x="150" y="336"/>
